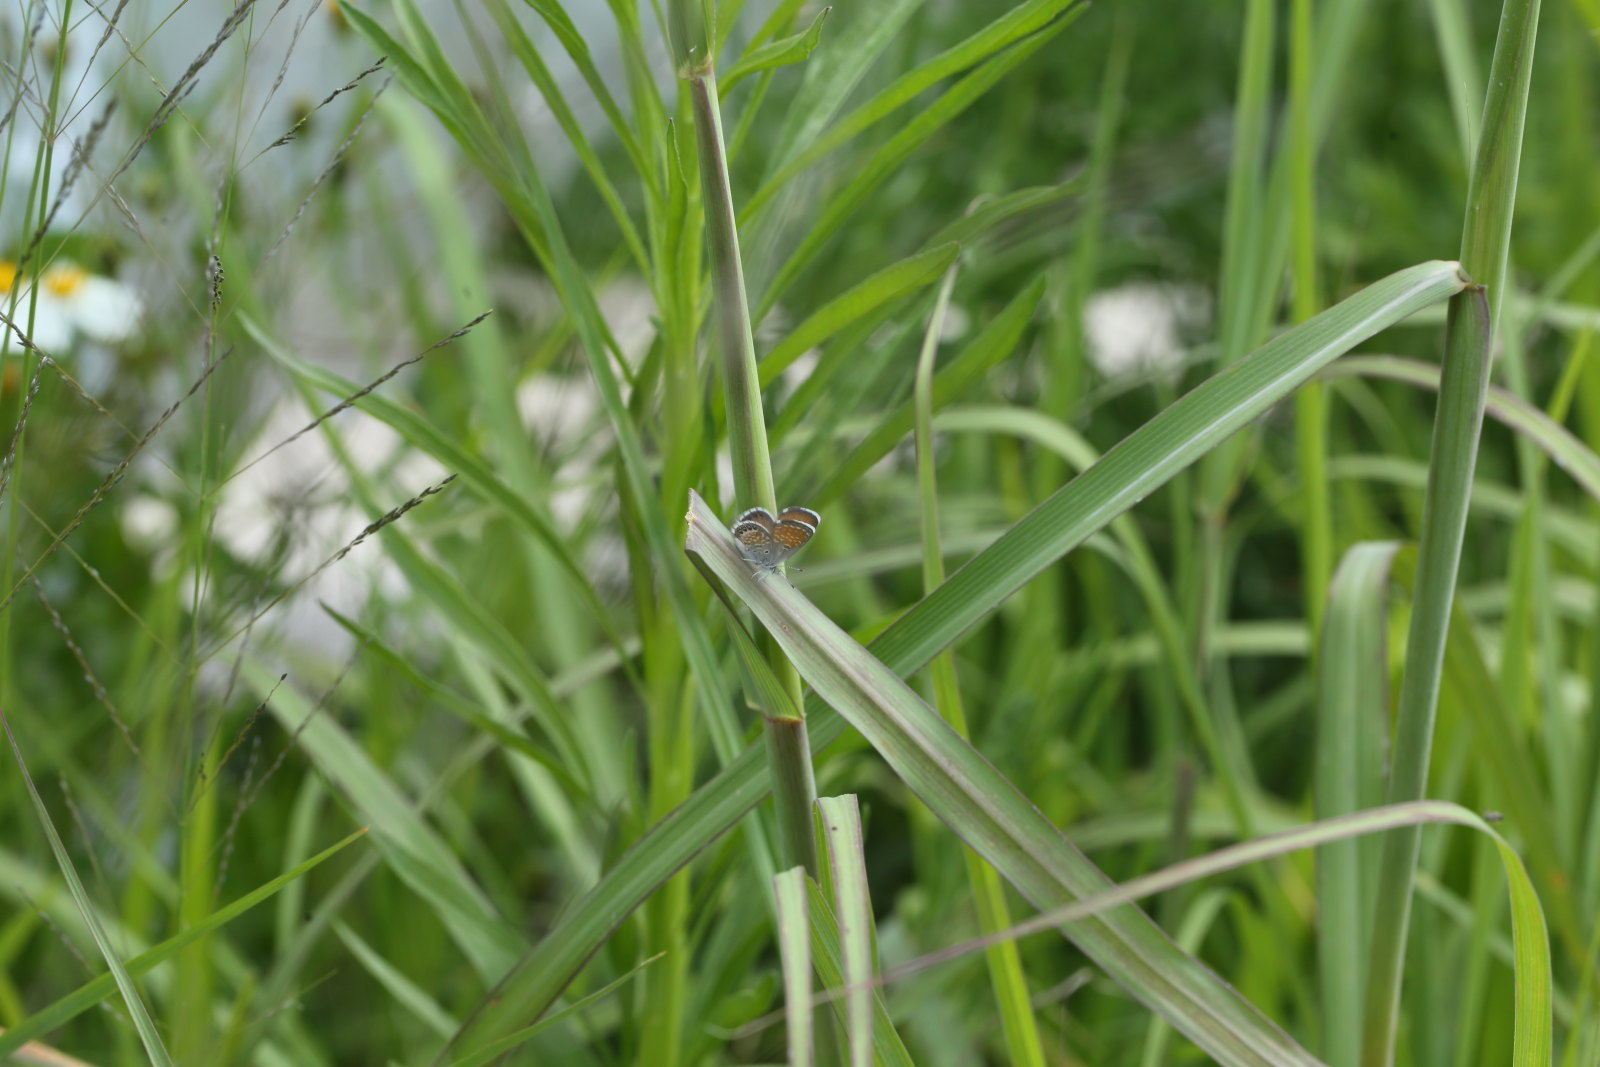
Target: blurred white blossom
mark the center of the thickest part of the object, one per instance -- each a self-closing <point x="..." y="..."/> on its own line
<point x="1140" y="327"/>
<point x="292" y="508"/>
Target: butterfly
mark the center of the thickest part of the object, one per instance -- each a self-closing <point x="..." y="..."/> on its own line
<point x="767" y="541"/>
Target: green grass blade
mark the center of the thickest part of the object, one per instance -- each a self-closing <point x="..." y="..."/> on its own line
<point x="409" y="996"/>
<point x="1469" y="336"/>
<point x="996" y="341"/>
<point x="410" y="847"/>
<point x="1243" y="300"/>
<point x="1564" y="447"/>
<point x="1352" y="699"/>
<point x="533" y="64"/>
<point x="1015" y="25"/>
<point x="91" y="993"/>
<point x="888" y="1050"/>
<point x="1533" y="992"/>
<point x="988" y="895"/>
<point x="577" y="50"/>
<point x="901" y="279"/>
<point x="441" y="445"/>
<point x="828" y="219"/>
<point x="1453" y="34"/>
<point x="779" y="53"/>
<point x="794" y="949"/>
<point x="498" y="1049"/>
<point x="1167" y="444"/>
<point x="841" y="829"/>
<point x="1150" y="456"/>
<point x="980" y="805"/>
<point x="149" y="1036"/>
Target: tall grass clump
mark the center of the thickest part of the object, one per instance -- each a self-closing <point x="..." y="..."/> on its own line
<point x="1208" y="479"/>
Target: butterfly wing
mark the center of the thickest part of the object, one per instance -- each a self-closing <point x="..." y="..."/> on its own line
<point x="794" y="530"/>
<point x="767" y="540"/>
<point x="798" y="514"/>
<point x="756" y="542"/>
<point x="760" y="516"/>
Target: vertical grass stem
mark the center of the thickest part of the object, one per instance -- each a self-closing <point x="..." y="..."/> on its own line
<point x="1469" y="334"/>
<point x="794" y="787"/>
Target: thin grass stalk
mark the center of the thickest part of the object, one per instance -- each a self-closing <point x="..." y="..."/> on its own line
<point x="1457" y="427"/>
<point x="1352" y="679"/>
<point x="1068" y="375"/>
<point x="1023" y="1044"/>
<point x="38" y="195"/>
<point x="1244" y="300"/>
<point x="1469" y="333"/>
<point x="1241" y="292"/>
<point x="1454" y="38"/>
<point x="1334" y="35"/>
<point x="1311" y="403"/>
<point x="794" y="787"/>
<point x="794" y="944"/>
<point x="1531" y="647"/>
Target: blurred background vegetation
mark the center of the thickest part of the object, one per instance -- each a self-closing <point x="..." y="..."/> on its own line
<point x="221" y="222"/>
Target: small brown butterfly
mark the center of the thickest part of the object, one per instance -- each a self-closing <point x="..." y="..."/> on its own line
<point x="767" y="541"/>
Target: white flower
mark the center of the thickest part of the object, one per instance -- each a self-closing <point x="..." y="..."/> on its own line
<point x="291" y="509"/>
<point x="148" y="522"/>
<point x="72" y="303"/>
<point x="1138" y="327"/>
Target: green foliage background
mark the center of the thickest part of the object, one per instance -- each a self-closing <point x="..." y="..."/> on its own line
<point x="513" y="678"/>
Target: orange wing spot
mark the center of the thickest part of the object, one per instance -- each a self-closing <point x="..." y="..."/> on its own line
<point x="792" y="535"/>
